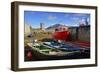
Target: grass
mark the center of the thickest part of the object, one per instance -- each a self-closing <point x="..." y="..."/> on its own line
<point x="42" y="35"/>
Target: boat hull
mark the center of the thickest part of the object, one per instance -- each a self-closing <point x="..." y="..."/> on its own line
<point x="36" y="55"/>
<point x="62" y="35"/>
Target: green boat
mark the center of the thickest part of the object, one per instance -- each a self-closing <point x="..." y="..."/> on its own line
<point x="44" y="52"/>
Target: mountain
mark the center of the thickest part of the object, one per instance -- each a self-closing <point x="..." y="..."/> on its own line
<point x="55" y="26"/>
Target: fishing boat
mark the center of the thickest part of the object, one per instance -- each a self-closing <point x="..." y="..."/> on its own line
<point x="45" y="52"/>
<point x="61" y="34"/>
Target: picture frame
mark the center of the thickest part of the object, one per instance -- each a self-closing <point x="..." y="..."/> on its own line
<point x="23" y="60"/>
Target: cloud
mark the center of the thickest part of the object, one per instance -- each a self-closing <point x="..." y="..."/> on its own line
<point x="75" y="15"/>
<point x="88" y="19"/>
<point x="67" y="15"/>
<point x="75" y="18"/>
<point x="80" y="15"/>
<point x="52" y="17"/>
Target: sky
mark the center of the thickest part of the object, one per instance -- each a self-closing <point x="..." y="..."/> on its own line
<point x="34" y="18"/>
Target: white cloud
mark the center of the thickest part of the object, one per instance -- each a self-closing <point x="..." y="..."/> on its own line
<point x="75" y="18"/>
<point x="88" y="19"/>
<point x="80" y="14"/>
<point x="52" y="17"/>
<point x="67" y="15"/>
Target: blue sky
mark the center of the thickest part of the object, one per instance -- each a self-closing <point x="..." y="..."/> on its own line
<point x="34" y="18"/>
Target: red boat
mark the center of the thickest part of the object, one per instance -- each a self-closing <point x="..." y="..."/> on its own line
<point x="61" y="35"/>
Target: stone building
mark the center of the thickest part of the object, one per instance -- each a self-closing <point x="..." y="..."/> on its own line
<point x="42" y="27"/>
<point x="81" y="33"/>
<point x="74" y="33"/>
<point x="27" y="29"/>
<point x="84" y="33"/>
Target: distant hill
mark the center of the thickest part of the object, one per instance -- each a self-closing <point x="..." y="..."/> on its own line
<point x="55" y="26"/>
